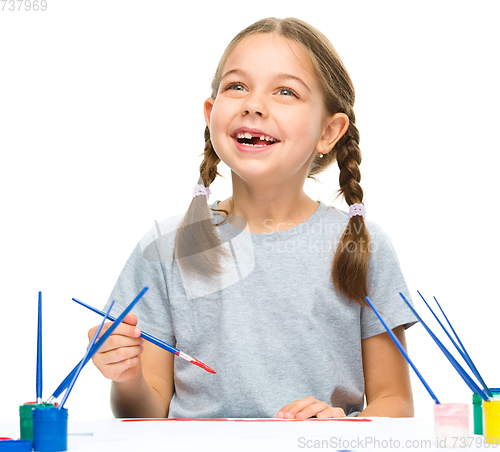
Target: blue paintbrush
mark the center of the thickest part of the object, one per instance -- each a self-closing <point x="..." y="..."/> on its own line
<point x="468" y="380"/>
<point x="402" y="350"/>
<point x="462" y="351"/>
<point x="84" y="360"/>
<point x="156" y="341"/>
<point x="39" y="369"/>
<point x="96" y="346"/>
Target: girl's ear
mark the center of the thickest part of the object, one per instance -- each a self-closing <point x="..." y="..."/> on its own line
<point x="335" y="128"/>
<point x="207" y="110"/>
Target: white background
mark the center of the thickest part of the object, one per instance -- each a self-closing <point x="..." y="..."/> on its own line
<point x="101" y="131"/>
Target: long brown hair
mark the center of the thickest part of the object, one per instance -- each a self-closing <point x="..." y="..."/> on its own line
<point x="196" y="239"/>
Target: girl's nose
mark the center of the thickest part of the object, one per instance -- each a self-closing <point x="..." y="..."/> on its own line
<point x="255" y="105"/>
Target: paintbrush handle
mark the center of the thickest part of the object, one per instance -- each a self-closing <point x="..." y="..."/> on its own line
<point x="157" y="342"/>
<point x="463" y="353"/>
<point x="96" y="346"/>
<point x="83" y="361"/>
<point x="468" y="380"/>
<point x="144" y="335"/>
<point x="402" y="350"/>
<point x="468" y="360"/>
<point x="39" y="368"/>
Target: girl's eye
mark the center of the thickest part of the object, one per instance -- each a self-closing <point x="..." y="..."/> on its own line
<point x="236" y="87"/>
<point x="287" y="92"/>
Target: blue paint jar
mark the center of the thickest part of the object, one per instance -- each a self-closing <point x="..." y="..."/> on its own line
<point x="50" y="429"/>
<point x="21" y="445"/>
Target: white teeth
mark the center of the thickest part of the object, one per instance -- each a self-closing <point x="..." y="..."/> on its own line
<point x="248" y="136"/>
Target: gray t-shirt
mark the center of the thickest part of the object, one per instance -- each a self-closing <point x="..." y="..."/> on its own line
<point x="272" y="326"/>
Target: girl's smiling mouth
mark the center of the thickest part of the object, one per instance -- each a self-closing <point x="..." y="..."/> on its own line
<point x="253" y="140"/>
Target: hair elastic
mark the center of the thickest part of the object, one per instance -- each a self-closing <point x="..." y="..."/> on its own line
<point x="357" y="209"/>
<point x="199" y="190"/>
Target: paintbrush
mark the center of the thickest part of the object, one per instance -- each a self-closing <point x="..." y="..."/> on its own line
<point x="39" y="369"/>
<point x="402" y="350"/>
<point x="462" y="351"/>
<point x="465" y="376"/>
<point x="156" y="341"/>
<point x="66" y="382"/>
<point x="90" y="352"/>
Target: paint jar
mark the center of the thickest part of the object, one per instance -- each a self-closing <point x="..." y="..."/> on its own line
<point x="50" y="429"/>
<point x="477" y="407"/>
<point x="491" y="410"/>
<point x="477" y="403"/>
<point x="26" y="419"/>
<point x="451" y="424"/>
<point x="22" y="445"/>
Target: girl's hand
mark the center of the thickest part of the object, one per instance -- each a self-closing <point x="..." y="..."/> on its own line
<point x="119" y="357"/>
<point x="309" y="407"/>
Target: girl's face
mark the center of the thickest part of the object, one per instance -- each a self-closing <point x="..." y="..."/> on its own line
<point x="268" y="118"/>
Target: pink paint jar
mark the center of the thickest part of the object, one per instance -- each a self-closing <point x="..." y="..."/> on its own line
<point x="451" y="424"/>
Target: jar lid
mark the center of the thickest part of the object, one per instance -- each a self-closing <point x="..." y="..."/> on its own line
<point x="27" y="408"/>
<point x="20" y="445"/>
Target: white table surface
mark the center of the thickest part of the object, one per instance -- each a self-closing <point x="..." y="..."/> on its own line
<point x="240" y="435"/>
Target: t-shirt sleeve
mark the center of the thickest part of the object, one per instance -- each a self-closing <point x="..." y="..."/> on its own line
<point x="152" y="310"/>
<point x="385" y="281"/>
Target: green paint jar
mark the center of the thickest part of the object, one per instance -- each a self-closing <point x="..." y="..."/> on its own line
<point x="477" y="403"/>
<point x="26" y="419"/>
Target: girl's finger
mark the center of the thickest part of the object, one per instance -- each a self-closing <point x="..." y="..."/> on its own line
<point x="123" y="329"/>
<point x="311" y="410"/>
<point x="331" y="412"/>
<point x="320" y="410"/>
<point x="115" y="342"/>
<point x="120" y="354"/>
<point x="290" y="411"/>
<point x="116" y="372"/>
<point x="130" y="319"/>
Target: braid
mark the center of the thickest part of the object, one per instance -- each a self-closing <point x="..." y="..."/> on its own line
<point x="350" y="262"/>
<point x="196" y="243"/>
<point x="348" y="160"/>
<point x="208" y="167"/>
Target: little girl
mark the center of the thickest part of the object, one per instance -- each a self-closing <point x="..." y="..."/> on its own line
<point x="268" y="286"/>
